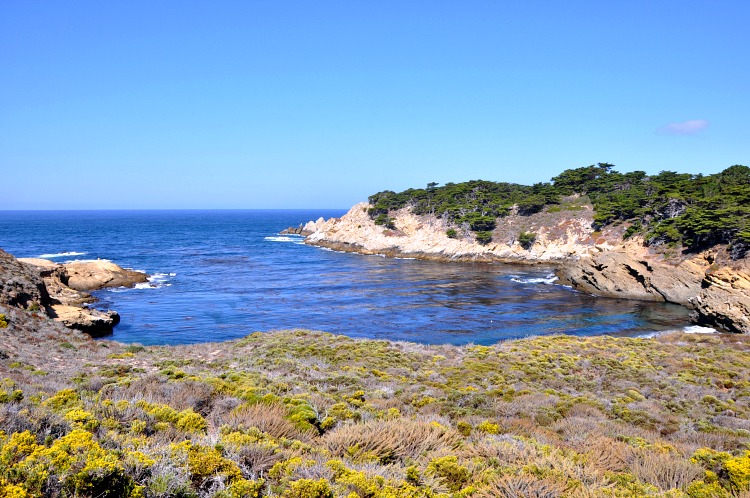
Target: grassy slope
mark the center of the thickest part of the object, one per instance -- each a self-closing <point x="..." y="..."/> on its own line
<point x="307" y="414"/>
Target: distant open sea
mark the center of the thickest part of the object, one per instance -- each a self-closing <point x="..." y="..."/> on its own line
<point x="220" y="275"/>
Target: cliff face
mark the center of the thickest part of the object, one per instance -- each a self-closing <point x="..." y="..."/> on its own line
<point x="724" y="299"/>
<point x="559" y="236"/>
<point x="599" y="263"/>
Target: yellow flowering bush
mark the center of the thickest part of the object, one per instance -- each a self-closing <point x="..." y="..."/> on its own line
<point x="75" y="461"/>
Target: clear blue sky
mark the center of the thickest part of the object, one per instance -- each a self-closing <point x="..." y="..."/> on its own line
<point x="280" y="104"/>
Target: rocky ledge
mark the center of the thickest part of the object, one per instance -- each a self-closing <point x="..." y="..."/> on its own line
<point x="716" y="288"/>
<point x="59" y="291"/>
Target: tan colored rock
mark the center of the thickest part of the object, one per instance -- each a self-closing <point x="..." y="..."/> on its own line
<point x="93" y="275"/>
<point x="65" y="286"/>
<point x="633" y="276"/>
<point x="424" y="237"/>
<point x="724" y="299"/>
<point x="93" y="322"/>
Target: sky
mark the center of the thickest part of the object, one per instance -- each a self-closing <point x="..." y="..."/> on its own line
<point x="319" y="104"/>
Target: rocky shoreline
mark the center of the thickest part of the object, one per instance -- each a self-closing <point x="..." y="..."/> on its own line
<point x="716" y="288"/>
<point x="60" y="291"/>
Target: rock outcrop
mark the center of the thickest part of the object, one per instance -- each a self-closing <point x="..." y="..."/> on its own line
<point x="558" y="236"/>
<point x="634" y="276"/>
<point x="99" y="274"/>
<point x="300" y="230"/>
<point x="599" y="263"/>
<point x="20" y="286"/>
<point x="58" y="290"/>
<point x="724" y="299"/>
<point x="92" y="321"/>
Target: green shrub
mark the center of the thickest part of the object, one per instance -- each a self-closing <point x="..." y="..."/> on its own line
<point x="451" y="233"/>
<point x="447" y="469"/>
<point x="484" y="238"/>
<point x="526" y="239"/>
<point x="309" y="488"/>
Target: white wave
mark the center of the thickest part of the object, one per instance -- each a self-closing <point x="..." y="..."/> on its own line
<point x="61" y="255"/>
<point x="697" y="329"/>
<point x="549" y="279"/>
<point x="85" y="261"/>
<point x="155" y="281"/>
<point x="295" y="239"/>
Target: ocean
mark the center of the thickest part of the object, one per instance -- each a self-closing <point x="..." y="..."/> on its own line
<point x="218" y="275"/>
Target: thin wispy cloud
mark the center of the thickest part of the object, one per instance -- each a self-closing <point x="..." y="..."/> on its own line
<point x="690" y="127"/>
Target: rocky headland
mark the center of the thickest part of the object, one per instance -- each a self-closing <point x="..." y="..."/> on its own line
<point x="60" y="291"/>
<point x="709" y="282"/>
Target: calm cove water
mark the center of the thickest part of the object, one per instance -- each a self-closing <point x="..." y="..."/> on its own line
<point x="224" y="274"/>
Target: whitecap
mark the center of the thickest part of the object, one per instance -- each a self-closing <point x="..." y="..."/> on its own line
<point x="87" y="260"/>
<point x="61" y="254"/>
<point x="697" y="329"/>
<point x="155" y="281"/>
<point x="549" y="279"/>
<point x="293" y="238"/>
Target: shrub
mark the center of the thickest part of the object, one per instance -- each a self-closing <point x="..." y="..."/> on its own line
<point x="386" y="221"/>
<point x="665" y="470"/>
<point x="3" y="321"/>
<point x="526" y="239"/>
<point x="391" y="439"/>
<point x="75" y="463"/>
<point x="451" y="233"/>
<point x="309" y="488"/>
<point x="446" y="468"/>
<point x="523" y="487"/>
<point x="484" y="237"/>
<point x="270" y="418"/>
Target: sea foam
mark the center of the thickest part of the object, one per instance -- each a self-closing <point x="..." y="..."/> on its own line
<point x="548" y="279"/>
<point x="61" y="255"/>
<point x="296" y="239"/>
<point x="697" y="329"/>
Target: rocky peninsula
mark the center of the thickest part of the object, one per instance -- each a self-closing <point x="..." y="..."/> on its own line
<point x="60" y="291"/>
<point x="601" y="262"/>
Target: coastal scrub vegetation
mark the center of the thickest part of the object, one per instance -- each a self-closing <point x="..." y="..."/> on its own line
<point x="678" y="209"/>
<point x="307" y="414"/>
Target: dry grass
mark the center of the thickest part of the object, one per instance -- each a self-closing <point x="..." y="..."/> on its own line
<point x="665" y="470"/>
<point x="270" y="418"/>
<point x="391" y="440"/>
<point x="523" y="487"/>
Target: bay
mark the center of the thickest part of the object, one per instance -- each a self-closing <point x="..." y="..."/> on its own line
<point x="220" y="275"/>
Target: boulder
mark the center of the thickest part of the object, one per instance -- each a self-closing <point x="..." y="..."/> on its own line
<point x="93" y="275"/>
<point x="96" y="323"/>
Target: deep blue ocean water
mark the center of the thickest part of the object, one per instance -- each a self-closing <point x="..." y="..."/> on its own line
<point x="220" y="275"/>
